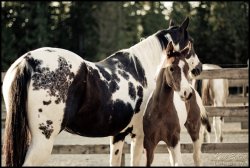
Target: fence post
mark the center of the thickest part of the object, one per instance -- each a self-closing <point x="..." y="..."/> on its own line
<point x="244" y="125"/>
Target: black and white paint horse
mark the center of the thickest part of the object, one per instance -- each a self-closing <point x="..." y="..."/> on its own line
<point x="48" y="90"/>
<point x="173" y="105"/>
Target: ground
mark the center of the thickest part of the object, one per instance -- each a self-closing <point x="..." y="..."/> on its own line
<point x="232" y="133"/>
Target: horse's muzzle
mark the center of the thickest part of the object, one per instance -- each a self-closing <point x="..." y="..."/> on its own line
<point x="197" y="70"/>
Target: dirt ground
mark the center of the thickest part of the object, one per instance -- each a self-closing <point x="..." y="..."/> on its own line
<point x="232" y="133"/>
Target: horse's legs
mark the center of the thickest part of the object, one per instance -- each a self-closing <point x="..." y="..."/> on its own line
<point x="44" y="124"/>
<point x="217" y="125"/>
<point x="206" y="135"/>
<point x="136" y="147"/>
<point x="197" y="152"/>
<point x="196" y="131"/>
<point x="221" y="128"/>
<point x="43" y="133"/>
<point x="38" y="151"/>
<point x="171" y="157"/>
<point x="149" y="146"/>
<point x="218" y="121"/>
<point x="116" y="151"/>
<point x="175" y="155"/>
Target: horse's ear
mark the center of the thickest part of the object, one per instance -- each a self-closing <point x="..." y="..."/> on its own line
<point x="185" y="23"/>
<point x="170" y="48"/>
<point x="171" y="23"/>
<point x="186" y="50"/>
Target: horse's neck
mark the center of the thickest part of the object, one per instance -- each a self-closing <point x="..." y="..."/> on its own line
<point x="149" y="52"/>
<point x="163" y="93"/>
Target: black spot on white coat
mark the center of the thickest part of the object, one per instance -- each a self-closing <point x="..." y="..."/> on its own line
<point x="123" y="74"/>
<point x="131" y="65"/>
<point x="131" y="91"/>
<point x="55" y="82"/>
<point x="46" y="102"/>
<point x="139" y="100"/>
<point x="105" y="74"/>
<point x="46" y="129"/>
<point x="117" y="151"/>
<point x="49" y="50"/>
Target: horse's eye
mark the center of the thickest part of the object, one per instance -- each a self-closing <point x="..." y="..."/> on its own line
<point x="171" y="69"/>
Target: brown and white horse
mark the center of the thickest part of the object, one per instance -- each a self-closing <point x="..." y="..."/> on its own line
<point x="48" y="90"/>
<point x="173" y="105"/>
<point x="214" y="92"/>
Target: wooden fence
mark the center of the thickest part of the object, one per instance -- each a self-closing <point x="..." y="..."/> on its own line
<point x="237" y="76"/>
<point x="161" y="148"/>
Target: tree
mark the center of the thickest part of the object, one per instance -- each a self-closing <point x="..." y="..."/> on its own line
<point x="94" y="30"/>
<point x="229" y="36"/>
<point x="83" y="26"/>
<point x="154" y="19"/>
<point x="180" y="10"/>
<point x="219" y="30"/>
<point x="24" y="28"/>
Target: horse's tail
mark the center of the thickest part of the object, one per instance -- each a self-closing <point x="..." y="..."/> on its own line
<point x="16" y="135"/>
<point x="205" y="119"/>
<point x="203" y="112"/>
<point x="206" y="97"/>
<point x="206" y="123"/>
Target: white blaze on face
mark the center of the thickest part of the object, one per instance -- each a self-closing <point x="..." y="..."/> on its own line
<point x="193" y="61"/>
<point x="185" y="89"/>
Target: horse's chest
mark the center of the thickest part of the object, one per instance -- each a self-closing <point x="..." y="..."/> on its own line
<point x="180" y="109"/>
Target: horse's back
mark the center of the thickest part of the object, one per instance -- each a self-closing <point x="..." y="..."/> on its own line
<point x="50" y="57"/>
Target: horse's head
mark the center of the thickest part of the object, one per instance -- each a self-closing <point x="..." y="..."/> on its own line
<point x="179" y="37"/>
<point x="193" y="61"/>
<point x="176" y="70"/>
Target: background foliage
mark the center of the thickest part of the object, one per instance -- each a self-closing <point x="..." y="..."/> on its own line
<point x="94" y="30"/>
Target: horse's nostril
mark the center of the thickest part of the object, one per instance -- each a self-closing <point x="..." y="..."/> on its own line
<point x="193" y="71"/>
<point x="185" y="93"/>
<point x="196" y="71"/>
<point x="189" y="96"/>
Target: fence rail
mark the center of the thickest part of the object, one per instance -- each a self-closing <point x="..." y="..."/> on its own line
<point x="237" y="99"/>
<point x="233" y="111"/>
<point x="237" y="77"/>
<point x="224" y="73"/>
<point x="238" y="82"/>
<point x="161" y="148"/>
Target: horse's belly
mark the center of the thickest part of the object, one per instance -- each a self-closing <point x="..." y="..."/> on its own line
<point x="100" y="123"/>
